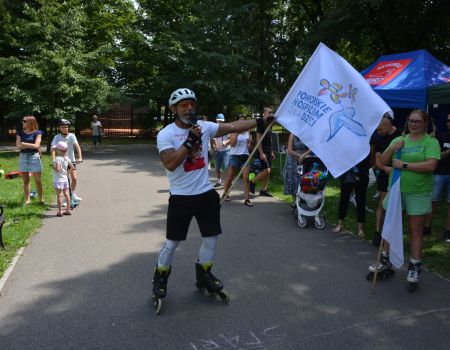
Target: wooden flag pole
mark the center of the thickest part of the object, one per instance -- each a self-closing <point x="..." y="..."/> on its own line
<point x="374" y="280"/>
<point x="247" y="162"/>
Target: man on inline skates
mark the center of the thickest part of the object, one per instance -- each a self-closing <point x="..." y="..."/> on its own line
<point x="183" y="150"/>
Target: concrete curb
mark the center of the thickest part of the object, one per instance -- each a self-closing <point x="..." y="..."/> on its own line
<point x="10" y="269"/>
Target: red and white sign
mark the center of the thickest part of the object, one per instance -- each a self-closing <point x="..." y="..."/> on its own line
<point x="385" y="71"/>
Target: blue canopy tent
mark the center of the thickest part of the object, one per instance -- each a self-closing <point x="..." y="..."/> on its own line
<point x="402" y="80"/>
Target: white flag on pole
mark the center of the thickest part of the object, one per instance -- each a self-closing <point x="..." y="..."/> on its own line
<point x="333" y="110"/>
<point x="393" y="226"/>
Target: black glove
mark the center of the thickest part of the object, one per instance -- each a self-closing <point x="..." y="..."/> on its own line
<point x="191" y="140"/>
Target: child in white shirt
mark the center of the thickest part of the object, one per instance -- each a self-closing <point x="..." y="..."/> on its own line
<point x="60" y="180"/>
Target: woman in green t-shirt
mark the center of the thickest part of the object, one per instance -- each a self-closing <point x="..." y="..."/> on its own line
<point x="420" y="154"/>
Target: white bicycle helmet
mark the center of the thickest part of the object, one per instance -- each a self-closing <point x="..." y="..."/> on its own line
<point x="63" y="122"/>
<point x="181" y="94"/>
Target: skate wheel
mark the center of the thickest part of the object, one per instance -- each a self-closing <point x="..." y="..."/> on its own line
<point x="301" y="221"/>
<point x="157" y="304"/>
<point x="224" y="296"/>
<point x="320" y="223"/>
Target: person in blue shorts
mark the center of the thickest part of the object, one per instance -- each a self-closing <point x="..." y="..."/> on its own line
<point x="28" y="142"/>
<point x="441" y="182"/>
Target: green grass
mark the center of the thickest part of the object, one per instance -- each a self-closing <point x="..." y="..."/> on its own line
<point x="20" y="221"/>
<point x="436" y="251"/>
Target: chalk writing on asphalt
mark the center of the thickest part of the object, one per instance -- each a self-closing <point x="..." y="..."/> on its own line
<point x="265" y="339"/>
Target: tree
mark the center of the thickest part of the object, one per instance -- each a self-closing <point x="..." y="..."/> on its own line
<point x="63" y="63"/>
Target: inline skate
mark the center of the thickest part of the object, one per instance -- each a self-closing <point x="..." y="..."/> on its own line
<point x="384" y="269"/>
<point x="206" y="281"/>
<point x="160" y="287"/>
<point x="414" y="270"/>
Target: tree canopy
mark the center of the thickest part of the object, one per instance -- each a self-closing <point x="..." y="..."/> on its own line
<point x="58" y="58"/>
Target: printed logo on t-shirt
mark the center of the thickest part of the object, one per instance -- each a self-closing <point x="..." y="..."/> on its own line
<point x="413" y="149"/>
<point x="446" y="145"/>
<point x="194" y="159"/>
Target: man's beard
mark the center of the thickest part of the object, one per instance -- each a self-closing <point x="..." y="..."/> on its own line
<point x="189" y="118"/>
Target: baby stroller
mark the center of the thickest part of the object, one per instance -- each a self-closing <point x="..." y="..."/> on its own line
<point x="310" y="198"/>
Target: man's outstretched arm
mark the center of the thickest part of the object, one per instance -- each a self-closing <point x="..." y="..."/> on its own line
<point x="244" y="125"/>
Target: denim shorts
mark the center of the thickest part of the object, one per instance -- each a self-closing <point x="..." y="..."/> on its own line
<point x="238" y="160"/>
<point x="441" y="183"/>
<point x="268" y="164"/>
<point x="413" y="203"/>
<point x="30" y="163"/>
<point x="222" y="159"/>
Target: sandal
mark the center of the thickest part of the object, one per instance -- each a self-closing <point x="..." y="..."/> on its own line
<point x="338" y="228"/>
<point x="248" y="203"/>
<point x="67" y="213"/>
<point x="59" y="214"/>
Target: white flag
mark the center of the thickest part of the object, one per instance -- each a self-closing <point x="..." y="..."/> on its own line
<point x="393" y="227"/>
<point x="333" y="110"/>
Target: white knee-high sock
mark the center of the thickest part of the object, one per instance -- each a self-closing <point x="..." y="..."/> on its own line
<point x="207" y="249"/>
<point x="167" y="252"/>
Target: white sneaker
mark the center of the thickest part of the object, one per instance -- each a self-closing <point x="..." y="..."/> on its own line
<point x="76" y="197"/>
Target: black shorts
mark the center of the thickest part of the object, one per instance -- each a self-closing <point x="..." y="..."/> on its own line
<point x="204" y="207"/>
<point x="382" y="181"/>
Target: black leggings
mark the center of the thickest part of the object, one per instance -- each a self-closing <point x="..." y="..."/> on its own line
<point x="360" y="188"/>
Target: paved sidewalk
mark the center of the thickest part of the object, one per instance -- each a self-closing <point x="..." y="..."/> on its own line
<point x="84" y="282"/>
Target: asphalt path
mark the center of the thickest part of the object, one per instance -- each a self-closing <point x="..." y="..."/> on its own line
<point x="84" y="281"/>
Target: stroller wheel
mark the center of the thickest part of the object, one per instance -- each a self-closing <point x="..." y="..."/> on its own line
<point x="320" y="222"/>
<point x="301" y="221"/>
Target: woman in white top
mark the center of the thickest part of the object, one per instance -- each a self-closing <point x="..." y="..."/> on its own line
<point x="239" y="153"/>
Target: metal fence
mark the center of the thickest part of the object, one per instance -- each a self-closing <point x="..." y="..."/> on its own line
<point x="124" y="121"/>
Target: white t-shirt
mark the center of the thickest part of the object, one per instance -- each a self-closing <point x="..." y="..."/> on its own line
<point x="60" y="176"/>
<point x="191" y="176"/>
<point x="96" y="128"/>
<point x="241" y="144"/>
<point x="71" y="139"/>
<point x="219" y="142"/>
